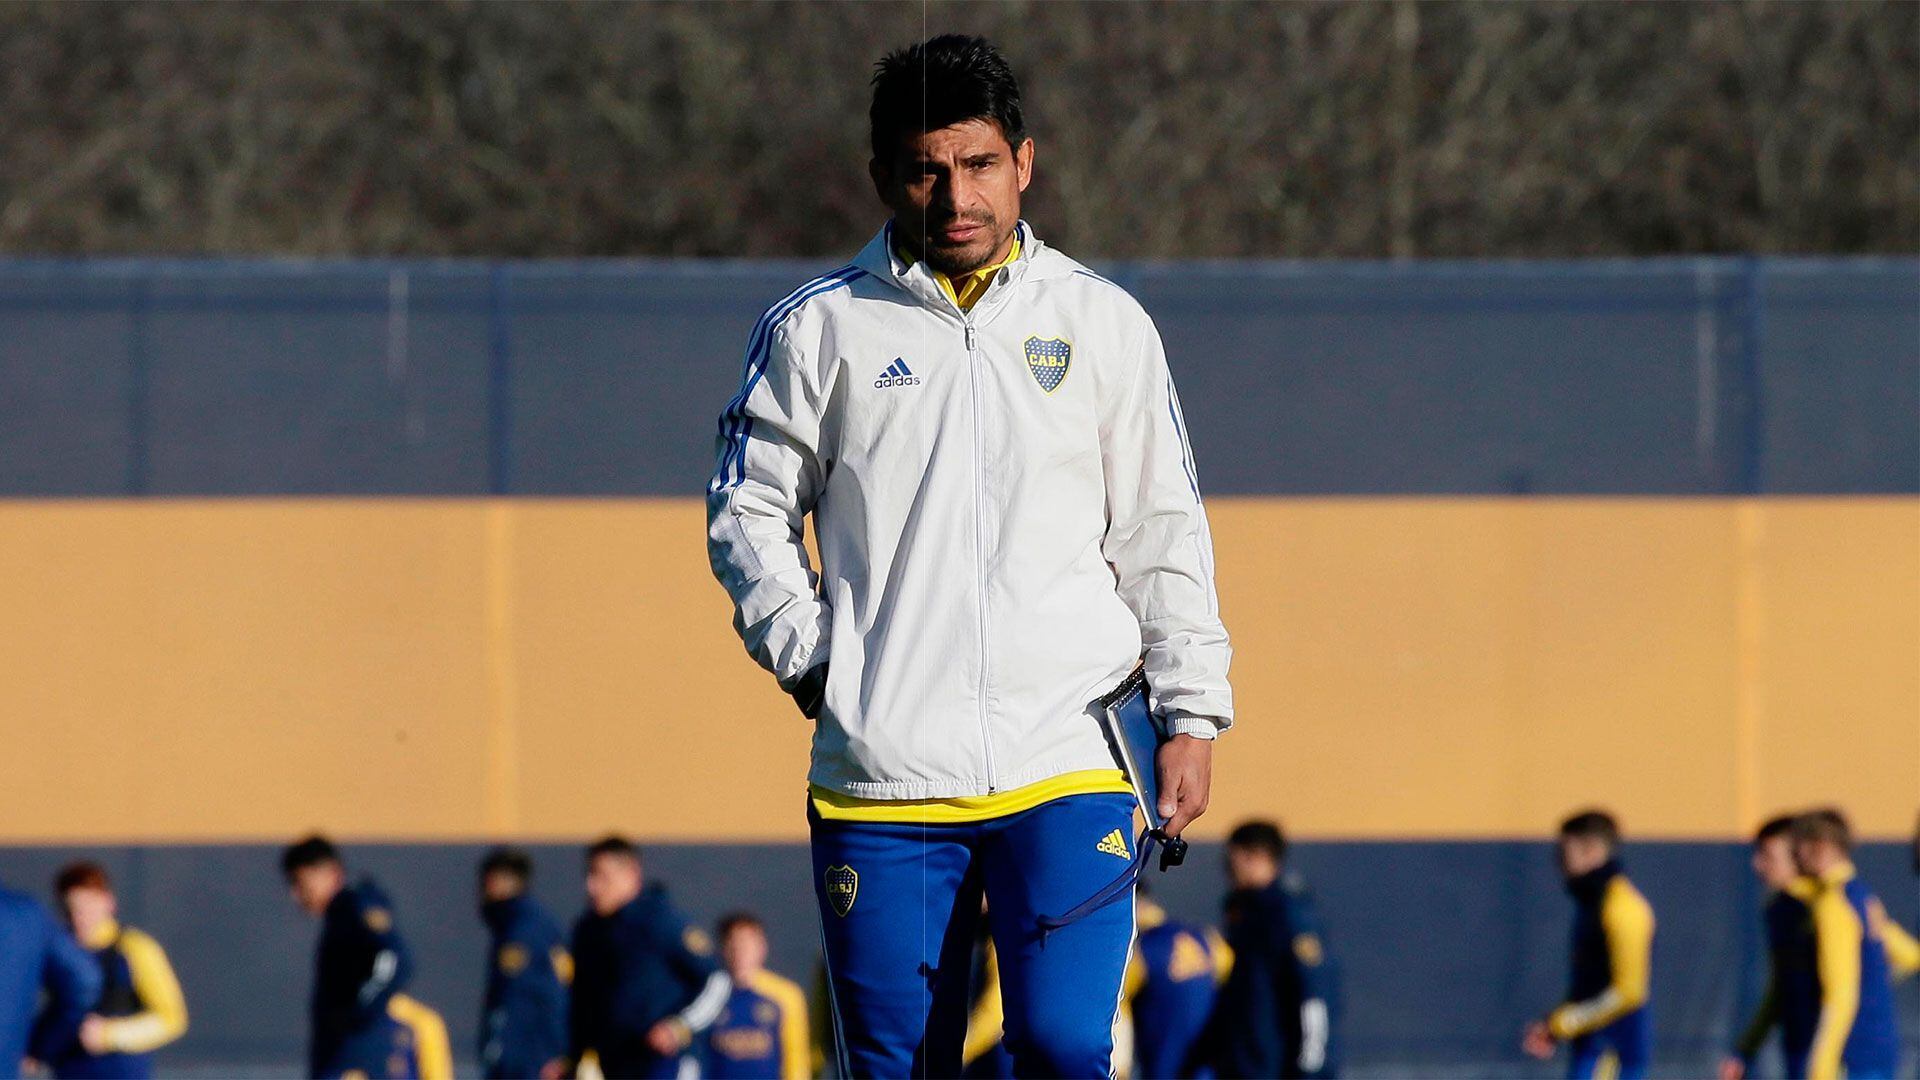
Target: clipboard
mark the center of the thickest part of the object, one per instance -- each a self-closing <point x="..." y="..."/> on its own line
<point x="1136" y="740"/>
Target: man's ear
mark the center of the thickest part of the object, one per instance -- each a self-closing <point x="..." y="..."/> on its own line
<point x="882" y="177"/>
<point x="1023" y="162"/>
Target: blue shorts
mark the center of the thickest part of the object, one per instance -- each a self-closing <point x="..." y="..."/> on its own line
<point x="1622" y="1049"/>
<point x="899" y="905"/>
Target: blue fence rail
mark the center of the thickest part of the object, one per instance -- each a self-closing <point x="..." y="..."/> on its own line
<point x="1669" y="377"/>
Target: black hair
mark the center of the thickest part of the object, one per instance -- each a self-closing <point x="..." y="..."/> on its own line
<point x="312" y="851"/>
<point x="613" y="845"/>
<point x="738" y="920"/>
<point x="81" y="875"/>
<point x="1592" y="825"/>
<point x="510" y="861"/>
<point x="1826" y="824"/>
<point x="940" y="82"/>
<point x="1773" y="827"/>
<point x="1262" y="836"/>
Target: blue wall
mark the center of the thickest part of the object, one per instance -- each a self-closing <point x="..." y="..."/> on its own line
<point x="1707" y="376"/>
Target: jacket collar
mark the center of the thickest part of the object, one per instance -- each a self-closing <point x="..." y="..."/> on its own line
<point x="1589" y="887"/>
<point x="103" y="935"/>
<point x="499" y="913"/>
<point x="883" y="261"/>
<point x="642" y="907"/>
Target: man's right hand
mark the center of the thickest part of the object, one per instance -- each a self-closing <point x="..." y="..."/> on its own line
<point x="1733" y="1069"/>
<point x="1185" y="765"/>
<point x="810" y="691"/>
<point x="1537" y="1041"/>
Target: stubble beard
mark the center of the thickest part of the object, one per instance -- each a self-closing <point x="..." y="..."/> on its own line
<point x="955" y="262"/>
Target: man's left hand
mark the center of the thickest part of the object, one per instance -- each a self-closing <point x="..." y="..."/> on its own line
<point x="1186" y="778"/>
<point x="1538" y="1041"/>
<point x="93" y="1035"/>
<point x="669" y="1036"/>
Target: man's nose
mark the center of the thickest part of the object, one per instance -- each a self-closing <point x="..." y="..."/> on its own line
<point x="953" y="193"/>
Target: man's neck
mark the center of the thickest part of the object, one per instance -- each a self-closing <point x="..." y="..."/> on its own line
<point x="1838" y="868"/>
<point x="910" y="253"/>
<point x="99" y="935"/>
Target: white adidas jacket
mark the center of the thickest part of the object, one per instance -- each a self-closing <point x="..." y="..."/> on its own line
<point x="1007" y="516"/>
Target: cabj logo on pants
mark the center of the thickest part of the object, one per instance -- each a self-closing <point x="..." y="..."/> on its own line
<point x="843" y="884"/>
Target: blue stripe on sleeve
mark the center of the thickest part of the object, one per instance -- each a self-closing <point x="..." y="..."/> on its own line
<point x="1186" y="447"/>
<point x="732" y="419"/>
<point x="735" y="425"/>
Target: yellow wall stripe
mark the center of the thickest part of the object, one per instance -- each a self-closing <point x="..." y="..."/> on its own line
<point x="461" y="669"/>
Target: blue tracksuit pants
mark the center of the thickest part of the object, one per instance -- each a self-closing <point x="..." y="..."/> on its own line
<point x="899" y="905"/>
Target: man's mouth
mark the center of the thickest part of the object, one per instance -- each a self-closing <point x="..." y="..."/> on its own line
<point x="959" y="232"/>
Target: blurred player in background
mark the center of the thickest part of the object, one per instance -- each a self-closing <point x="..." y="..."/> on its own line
<point x="987" y="437"/>
<point x="645" y="980"/>
<point x="1856" y="1030"/>
<point x="47" y="984"/>
<point x="1172" y="982"/>
<point x="523" y="1022"/>
<point x="1792" y="994"/>
<point x="762" y="1032"/>
<point x="1605" y="1021"/>
<point x="1275" y="1014"/>
<point x="141" y="1007"/>
<point x="362" y="1023"/>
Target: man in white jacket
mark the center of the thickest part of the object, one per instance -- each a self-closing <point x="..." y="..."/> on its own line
<point x="1008" y="519"/>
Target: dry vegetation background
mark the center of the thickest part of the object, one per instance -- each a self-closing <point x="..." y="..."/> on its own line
<point x="1185" y="129"/>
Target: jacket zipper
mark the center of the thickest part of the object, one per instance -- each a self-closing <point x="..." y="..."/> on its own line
<point x="980" y="538"/>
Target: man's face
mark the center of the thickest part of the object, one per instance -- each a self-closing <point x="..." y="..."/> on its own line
<point x="612" y="883"/>
<point x="86" y="909"/>
<point x="313" y="887"/>
<point x="1773" y="862"/>
<point x="955" y="192"/>
<point x="497" y="885"/>
<point x="1582" y="854"/>
<point x="1815" y="857"/>
<point x="744" y="951"/>
<point x="1251" y="868"/>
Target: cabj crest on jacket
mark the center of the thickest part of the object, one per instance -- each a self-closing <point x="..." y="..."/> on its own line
<point x="1002" y="533"/>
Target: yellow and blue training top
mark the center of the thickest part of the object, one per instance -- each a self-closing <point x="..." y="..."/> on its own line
<point x="1612" y="956"/>
<point x="762" y="1032"/>
<point x="1858" y="1031"/>
<point x="140" y="1000"/>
